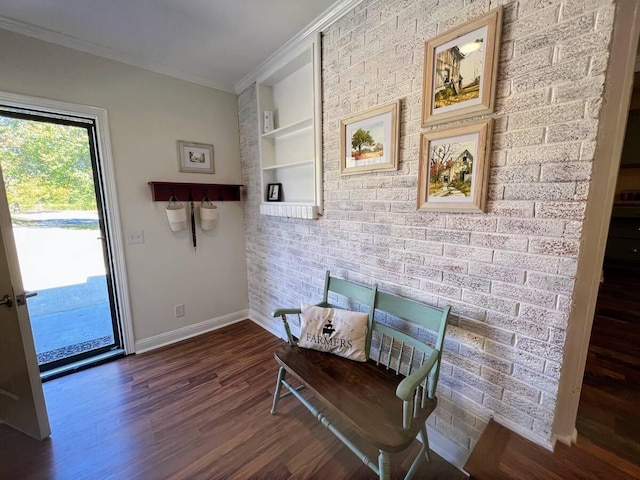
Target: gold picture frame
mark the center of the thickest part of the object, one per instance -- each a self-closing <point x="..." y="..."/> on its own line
<point x="454" y="168"/>
<point x="369" y="140"/>
<point x="460" y="70"/>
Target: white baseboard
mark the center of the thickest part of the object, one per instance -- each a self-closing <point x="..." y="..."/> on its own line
<point x="567" y="439"/>
<point x="189" y="331"/>
<point x="453" y="453"/>
<point x="273" y="325"/>
<point x="270" y="324"/>
<point x="548" y="443"/>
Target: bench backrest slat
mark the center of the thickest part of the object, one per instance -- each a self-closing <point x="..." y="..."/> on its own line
<point x="413" y="351"/>
<point x="415" y="312"/>
<point x="354" y="291"/>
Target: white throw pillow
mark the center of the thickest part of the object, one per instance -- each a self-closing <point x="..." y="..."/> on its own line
<point x="341" y="332"/>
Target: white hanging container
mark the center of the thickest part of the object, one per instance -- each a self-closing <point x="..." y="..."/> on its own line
<point x="177" y="215"/>
<point x="208" y="215"/>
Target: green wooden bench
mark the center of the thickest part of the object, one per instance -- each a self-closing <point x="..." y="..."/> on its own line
<point x="387" y="399"/>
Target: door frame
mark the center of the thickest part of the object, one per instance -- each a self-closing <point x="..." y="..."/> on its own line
<point x="107" y="177"/>
<point x="609" y="143"/>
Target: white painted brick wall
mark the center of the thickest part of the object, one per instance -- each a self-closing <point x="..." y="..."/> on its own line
<point x="508" y="274"/>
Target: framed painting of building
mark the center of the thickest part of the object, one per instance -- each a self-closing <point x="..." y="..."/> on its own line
<point x="369" y="140"/>
<point x="460" y="70"/>
<point x="454" y="167"/>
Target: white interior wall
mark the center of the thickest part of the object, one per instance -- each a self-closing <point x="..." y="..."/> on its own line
<point x="148" y="112"/>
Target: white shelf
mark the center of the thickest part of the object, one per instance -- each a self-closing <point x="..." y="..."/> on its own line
<point x="294" y="128"/>
<point x="290" y="210"/>
<point x="289" y="165"/>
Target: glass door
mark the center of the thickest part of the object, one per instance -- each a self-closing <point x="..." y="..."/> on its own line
<point x="50" y="171"/>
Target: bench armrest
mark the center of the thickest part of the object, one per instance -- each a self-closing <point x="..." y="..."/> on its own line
<point x="408" y="388"/>
<point x="282" y="313"/>
<point x="285" y="311"/>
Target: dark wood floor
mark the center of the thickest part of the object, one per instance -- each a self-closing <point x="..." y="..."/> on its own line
<point x="194" y="410"/>
<point x="609" y="412"/>
<point x="608" y="420"/>
<point x="502" y="455"/>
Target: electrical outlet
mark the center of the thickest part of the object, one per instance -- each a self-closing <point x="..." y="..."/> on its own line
<point x="179" y="309"/>
<point x="135" y="236"/>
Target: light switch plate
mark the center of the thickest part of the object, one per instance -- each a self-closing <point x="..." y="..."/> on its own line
<point x="135" y="236"/>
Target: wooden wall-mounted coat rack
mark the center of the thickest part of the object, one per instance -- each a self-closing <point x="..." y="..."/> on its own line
<point x="162" y="191"/>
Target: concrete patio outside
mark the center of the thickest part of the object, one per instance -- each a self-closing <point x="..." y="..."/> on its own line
<point x="70" y="320"/>
<point x="61" y="259"/>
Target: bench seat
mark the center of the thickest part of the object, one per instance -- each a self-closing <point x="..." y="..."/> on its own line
<point x="363" y="394"/>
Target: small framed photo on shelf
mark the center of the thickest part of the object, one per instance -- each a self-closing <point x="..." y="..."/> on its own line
<point x="274" y="192"/>
<point x="195" y="157"/>
<point x="460" y="70"/>
<point x="454" y="168"/>
<point x="369" y="140"/>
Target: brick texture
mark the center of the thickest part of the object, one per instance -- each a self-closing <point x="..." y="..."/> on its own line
<point x="508" y="274"/>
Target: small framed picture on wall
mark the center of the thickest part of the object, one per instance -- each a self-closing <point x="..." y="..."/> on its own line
<point x="195" y="157"/>
<point x="274" y="192"/>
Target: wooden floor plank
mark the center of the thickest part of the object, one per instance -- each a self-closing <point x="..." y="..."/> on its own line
<point x="198" y="410"/>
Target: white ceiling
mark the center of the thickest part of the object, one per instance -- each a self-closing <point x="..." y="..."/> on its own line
<point x="209" y="42"/>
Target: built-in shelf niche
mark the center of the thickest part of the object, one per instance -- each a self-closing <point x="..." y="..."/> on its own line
<point x="290" y="153"/>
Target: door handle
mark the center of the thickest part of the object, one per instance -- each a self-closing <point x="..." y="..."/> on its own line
<point x="6" y="301"/>
<point x="22" y="299"/>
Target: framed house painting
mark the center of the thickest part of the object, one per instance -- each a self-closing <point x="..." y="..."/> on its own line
<point x="460" y="70"/>
<point x="369" y="140"/>
<point x="454" y="167"/>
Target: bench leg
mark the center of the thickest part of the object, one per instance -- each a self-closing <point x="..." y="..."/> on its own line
<point x="422" y="455"/>
<point x="276" y="394"/>
<point x="384" y="466"/>
<point x="425" y="441"/>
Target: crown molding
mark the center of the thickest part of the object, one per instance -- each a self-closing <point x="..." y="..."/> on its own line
<point x="85" y="46"/>
<point x="326" y="18"/>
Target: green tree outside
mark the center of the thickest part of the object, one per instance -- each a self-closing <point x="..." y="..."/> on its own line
<point x="46" y="166"/>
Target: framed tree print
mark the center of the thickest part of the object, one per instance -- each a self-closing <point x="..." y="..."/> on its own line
<point x="454" y="167"/>
<point x="460" y="70"/>
<point x="369" y="140"/>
